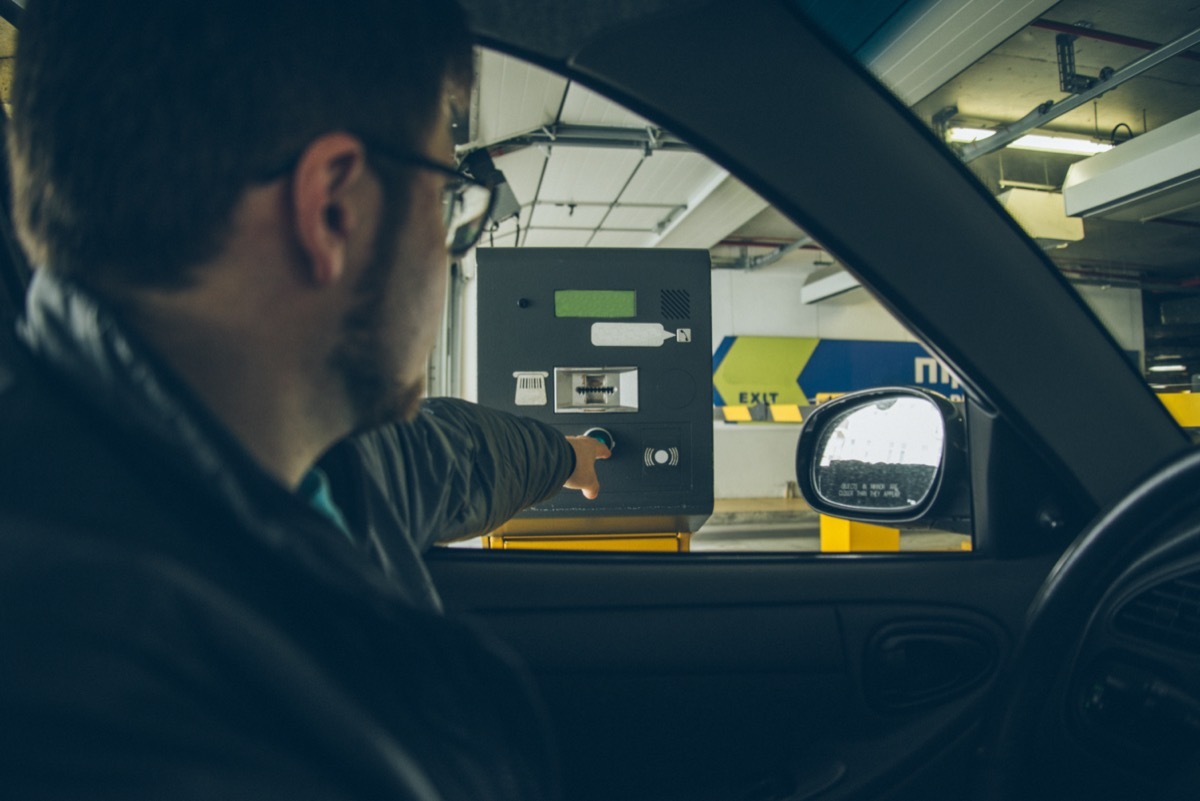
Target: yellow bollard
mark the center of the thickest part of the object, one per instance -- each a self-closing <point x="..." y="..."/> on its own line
<point x="847" y="536"/>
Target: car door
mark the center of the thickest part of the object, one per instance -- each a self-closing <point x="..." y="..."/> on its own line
<point x="773" y="676"/>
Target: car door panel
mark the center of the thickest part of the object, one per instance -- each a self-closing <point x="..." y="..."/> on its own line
<point x="698" y="677"/>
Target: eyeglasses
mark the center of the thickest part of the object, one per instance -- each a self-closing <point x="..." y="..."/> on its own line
<point x="466" y="201"/>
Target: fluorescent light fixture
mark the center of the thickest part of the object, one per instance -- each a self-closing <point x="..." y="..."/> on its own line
<point x="965" y="135"/>
<point x="1060" y="144"/>
<point x="1041" y="142"/>
<point x="1169" y="368"/>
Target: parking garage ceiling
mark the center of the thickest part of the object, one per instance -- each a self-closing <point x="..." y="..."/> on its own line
<point x="1022" y="72"/>
<point x="993" y="61"/>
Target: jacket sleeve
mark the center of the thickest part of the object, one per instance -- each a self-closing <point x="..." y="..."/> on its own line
<point x="460" y="470"/>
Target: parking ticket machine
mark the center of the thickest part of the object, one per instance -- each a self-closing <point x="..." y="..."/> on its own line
<point x="615" y="344"/>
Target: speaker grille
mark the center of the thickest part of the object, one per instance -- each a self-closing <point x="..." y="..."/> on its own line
<point x="676" y="304"/>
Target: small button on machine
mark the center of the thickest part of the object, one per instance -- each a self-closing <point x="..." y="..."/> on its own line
<point x="602" y="435"/>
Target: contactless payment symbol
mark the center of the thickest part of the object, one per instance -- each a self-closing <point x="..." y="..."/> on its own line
<point x="661" y="457"/>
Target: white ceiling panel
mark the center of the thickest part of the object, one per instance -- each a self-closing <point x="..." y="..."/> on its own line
<point x="585" y="107"/>
<point x="587" y="175"/>
<point x="554" y="238"/>
<point x="523" y="170"/>
<point x="515" y="97"/>
<point x="946" y="38"/>
<point x="622" y="239"/>
<point x="673" y="178"/>
<point x="554" y="215"/>
<point x="725" y="209"/>
<point x="641" y="218"/>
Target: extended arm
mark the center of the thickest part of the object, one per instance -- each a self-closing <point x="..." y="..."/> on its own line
<point x="460" y="469"/>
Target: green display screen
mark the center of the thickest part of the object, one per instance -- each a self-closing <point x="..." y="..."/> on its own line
<point x="604" y="303"/>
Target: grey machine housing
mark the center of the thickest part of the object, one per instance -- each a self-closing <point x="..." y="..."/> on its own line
<point x="611" y="339"/>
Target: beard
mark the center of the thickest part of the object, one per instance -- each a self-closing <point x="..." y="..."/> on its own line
<point x="363" y="358"/>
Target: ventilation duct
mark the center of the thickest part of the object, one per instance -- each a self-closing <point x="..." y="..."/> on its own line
<point x="827" y="283"/>
<point x="1153" y="175"/>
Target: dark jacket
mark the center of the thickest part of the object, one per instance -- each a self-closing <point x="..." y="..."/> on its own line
<point x="174" y="623"/>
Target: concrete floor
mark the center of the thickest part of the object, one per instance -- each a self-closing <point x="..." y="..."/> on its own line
<point x="789" y="524"/>
<point x="806" y="536"/>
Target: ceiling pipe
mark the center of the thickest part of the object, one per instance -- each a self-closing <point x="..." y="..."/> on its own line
<point x="754" y="242"/>
<point x="775" y="255"/>
<point x="1103" y="36"/>
<point x="1050" y="110"/>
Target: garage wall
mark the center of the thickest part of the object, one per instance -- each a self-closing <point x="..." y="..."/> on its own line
<point x="767" y="303"/>
<point x="758" y="460"/>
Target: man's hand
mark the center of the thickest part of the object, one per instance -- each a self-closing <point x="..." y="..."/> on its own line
<point x="587" y="451"/>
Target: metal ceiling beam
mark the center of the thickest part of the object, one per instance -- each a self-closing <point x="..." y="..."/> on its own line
<point x="1050" y="110"/>
<point x="647" y="140"/>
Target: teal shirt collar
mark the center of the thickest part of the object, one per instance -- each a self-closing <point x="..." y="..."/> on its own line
<point x="314" y="488"/>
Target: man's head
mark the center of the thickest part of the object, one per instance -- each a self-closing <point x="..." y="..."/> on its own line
<point x="137" y="124"/>
<point x="259" y="185"/>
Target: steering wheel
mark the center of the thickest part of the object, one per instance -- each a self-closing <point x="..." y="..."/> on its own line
<point x="1165" y="501"/>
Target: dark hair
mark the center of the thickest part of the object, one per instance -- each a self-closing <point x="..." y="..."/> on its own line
<point x="137" y="124"/>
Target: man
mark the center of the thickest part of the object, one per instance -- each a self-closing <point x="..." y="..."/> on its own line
<point x="215" y="474"/>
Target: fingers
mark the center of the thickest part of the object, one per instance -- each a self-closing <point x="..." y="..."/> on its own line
<point x="584" y="478"/>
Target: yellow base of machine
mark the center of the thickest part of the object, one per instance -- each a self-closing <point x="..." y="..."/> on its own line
<point x="666" y="542"/>
<point x="847" y="536"/>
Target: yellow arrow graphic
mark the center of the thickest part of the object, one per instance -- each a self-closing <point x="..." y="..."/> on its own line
<point x="763" y="370"/>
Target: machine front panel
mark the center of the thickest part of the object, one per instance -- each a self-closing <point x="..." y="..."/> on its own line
<point x="617" y="340"/>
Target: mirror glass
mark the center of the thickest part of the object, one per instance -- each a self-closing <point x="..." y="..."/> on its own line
<point x="883" y="455"/>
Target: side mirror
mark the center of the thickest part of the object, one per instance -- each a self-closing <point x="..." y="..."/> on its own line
<point x="888" y="455"/>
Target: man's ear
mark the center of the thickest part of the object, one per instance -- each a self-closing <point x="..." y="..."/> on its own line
<point x="324" y="204"/>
